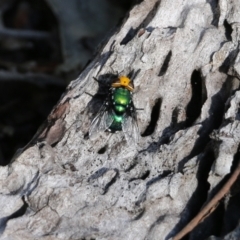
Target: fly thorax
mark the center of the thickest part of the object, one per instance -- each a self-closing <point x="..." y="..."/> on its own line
<point x="121" y="98"/>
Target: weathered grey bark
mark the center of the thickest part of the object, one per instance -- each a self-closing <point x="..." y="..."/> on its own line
<point x="188" y="53"/>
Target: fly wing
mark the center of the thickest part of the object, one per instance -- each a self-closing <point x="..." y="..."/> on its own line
<point x="101" y="122"/>
<point x="130" y="128"/>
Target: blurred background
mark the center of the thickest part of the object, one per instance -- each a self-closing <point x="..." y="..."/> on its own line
<point x="44" y="44"/>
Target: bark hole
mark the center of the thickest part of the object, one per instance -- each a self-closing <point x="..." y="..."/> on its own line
<point x="129" y="36"/>
<point x="196" y="102"/>
<point x="86" y="136"/>
<point x="228" y="31"/>
<point x="102" y="150"/>
<point x="154" y="118"/>
<point x="145" y="175"/>
<point x="164" y="67"/>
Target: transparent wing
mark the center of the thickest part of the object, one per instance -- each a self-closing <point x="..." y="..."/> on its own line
<point x="101" y="122"/>
<point x="130" y="128"/>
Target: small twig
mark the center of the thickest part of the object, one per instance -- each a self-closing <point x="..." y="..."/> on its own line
<point x="22" y="34"/>
<point x="210" y="207"/>
<point x="34" y="78"/>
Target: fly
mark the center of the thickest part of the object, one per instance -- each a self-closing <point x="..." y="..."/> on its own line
<point x="118" y="112"/>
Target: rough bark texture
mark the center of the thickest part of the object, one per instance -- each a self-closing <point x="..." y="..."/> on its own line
<point x="66" y="186"/>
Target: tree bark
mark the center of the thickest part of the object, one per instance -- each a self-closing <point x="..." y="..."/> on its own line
<point x="64" y="185"/>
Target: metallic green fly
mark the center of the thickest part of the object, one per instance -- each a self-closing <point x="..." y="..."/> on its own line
<point x="118" y="112"/>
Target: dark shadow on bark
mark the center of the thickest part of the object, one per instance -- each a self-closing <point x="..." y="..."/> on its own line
<point x="228" y="30"/>
<point x="132" y="32"/>
<point x="164" y="67"/>
<point x="159" y="177"/>
<point x="229" y="60"/>
<point x="215" y="10"/>
<point x="20" y="212"/>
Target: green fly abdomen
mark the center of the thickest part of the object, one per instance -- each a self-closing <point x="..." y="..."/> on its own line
<point x="121" y="97"/>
